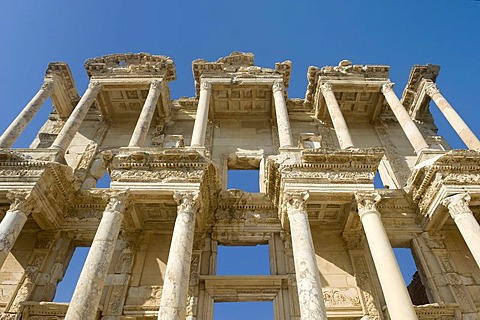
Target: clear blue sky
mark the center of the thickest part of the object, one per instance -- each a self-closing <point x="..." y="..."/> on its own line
<point x="400" y="34"/>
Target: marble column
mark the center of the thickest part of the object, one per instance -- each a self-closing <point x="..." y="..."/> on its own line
<point x="87" y="294"/>
<point x="409" y="127"/>
<point x="14" y="220"/>
<point x="143" y="124"/>
<point x="341" y="129"/>
<point x="467" y="135"/>
<point x="201" y="119"/>
<point x="396" y="295"/>
<point x="173" y="302"/>
<point x="458" y="207"/>
<point x="310" y="297"/>
<point x="14" y="130"/>
<point x="283" y="123"/>
<point x="75" y="119"/>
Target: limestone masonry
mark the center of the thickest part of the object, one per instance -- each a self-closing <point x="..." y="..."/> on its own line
<point x="153" y="235"/>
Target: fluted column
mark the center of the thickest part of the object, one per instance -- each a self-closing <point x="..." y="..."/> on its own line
<point x="201" y="119"/>
<point x="173" y="302"/>
<point x="398" y="301"/>
<point x="409" y="127"/>
<point x="14" y="220"/>
<point x="87" y="294"/>
<point x="75" y="119"/>
<point x="283" y="123"/>
<point x="339" y="123"/>
<point x="458" y="207"/>
<point x="143" y="124"/>
<point x="310" y="297"/>
<point x="462" y="129"/>
<point x="16" y="128"/>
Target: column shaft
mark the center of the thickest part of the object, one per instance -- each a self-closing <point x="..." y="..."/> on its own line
<point x="143" y="124"/>
<point x="201" y="118"/>
<point x="87" y="294"/>
<point x="16" y="128"/>
<point x="309" y="289"/>
<point x="409" y="127"/>
<point x="339" y="123"/>
<point x="13" y="222"/>
<point x="75" y="120"/>
<point x="465" y="133"/>
<point x="458" y="207"/>
<point x="396" y="295"/>
<point x="173" y="302"/>
<point x="283" y="123"/>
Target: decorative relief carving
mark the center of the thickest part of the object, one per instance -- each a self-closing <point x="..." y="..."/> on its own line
<point x="366" y="288"/>
<point x="341" y="297"/>
<point x="398" y="164"/>
<point x="173" y="175"/>
<point x="458" y="204"/>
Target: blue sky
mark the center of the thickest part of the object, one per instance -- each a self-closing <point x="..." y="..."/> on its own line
<point x="400" y="34"/>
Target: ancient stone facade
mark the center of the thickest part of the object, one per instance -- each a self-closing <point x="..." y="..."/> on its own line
<point x="153" y="235"/>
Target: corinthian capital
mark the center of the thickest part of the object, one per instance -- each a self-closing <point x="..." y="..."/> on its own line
<point x="48" y="84"/>
<point x="326" y="87"/>
<point x="95" y="86"/>
<point x="278" y="86"/>
<point x="155" y="84"/>
<point x="205" y="85"/>
<point x="431" y="88"/>
<point x="21" y="200"/>
<point x="367" y="201"/>
<point x="387" y="87"/>
<point x="296" y="201"/>
<point x="186" y="200"/>
<point x="458" y="204"/>
<point x="117" y="200"/>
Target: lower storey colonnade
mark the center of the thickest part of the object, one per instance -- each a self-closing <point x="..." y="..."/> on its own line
<point x="173" y="303"/>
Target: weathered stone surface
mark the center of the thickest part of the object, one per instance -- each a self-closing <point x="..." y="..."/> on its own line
<point x="155" y="255"/>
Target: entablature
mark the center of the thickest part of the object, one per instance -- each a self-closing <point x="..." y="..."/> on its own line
<point x="445" y="174"/>
<point x="414" y="97"/>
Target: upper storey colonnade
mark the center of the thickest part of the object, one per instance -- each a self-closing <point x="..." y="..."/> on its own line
<point x="371" y="85"/>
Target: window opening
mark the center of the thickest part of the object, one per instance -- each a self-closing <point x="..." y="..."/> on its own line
<point x="243" y="260"/>
<point x="66" y="287"/>
<point x="104" y="182"/>
<point x="246" y="180"/>
<point x="377" y="181"/>
<point x="410" y="274"/>
<point x="260" y="310"/>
